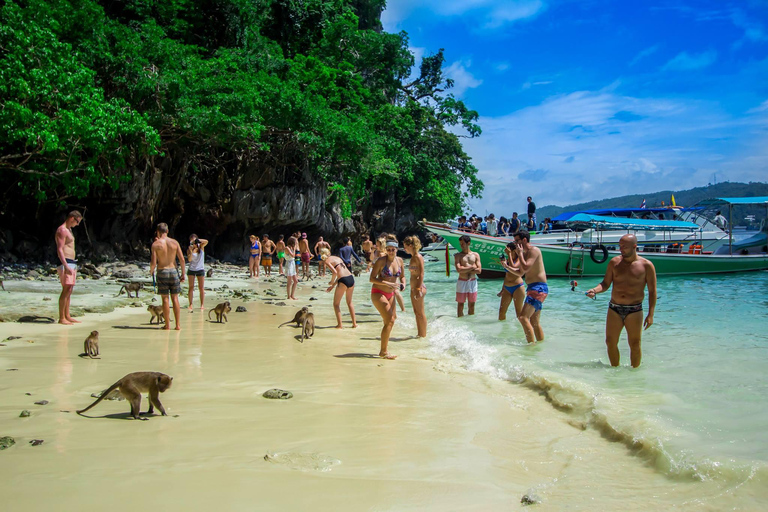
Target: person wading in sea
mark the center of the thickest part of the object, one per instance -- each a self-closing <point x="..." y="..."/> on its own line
<point x="629" y="274"/>
<point x="468" y="265"/>
<point x="532" y="266"/>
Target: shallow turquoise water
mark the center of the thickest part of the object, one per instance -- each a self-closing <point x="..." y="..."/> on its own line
<point x="698" y="405"/>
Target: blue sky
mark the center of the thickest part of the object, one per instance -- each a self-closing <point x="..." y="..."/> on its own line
<point x="589" y="99"/>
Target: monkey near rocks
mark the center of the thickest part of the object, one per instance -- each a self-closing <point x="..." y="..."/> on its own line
<point x="133" y="385"/>
<point x="91" y="345"/>
<point x="221" y="311"/>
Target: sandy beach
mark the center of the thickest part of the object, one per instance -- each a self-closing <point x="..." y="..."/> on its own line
<point x="360" y="433"/>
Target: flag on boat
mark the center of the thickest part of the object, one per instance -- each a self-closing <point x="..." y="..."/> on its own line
<point x="643" y="205"/>
<point x="673" y="200"/>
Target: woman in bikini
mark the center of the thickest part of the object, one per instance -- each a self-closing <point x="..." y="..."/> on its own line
<point x="386" y="273"/>
<point x="513" y="289"/>
<point x="412" y="245"/>
<point x="253" y="261"/>
<point x="343" y="281"/>
<point x="291" y="248"/>
<point x="381" y="252"/>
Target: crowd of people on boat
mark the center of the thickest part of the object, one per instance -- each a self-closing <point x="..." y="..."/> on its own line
<point x="503" y="226"/>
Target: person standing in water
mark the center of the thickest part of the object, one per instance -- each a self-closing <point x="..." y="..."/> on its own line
<point x="65" y="250"/>
<point x="512" y="289"/>
<point x="412" y="245"/>
<point x="384" y="276"/>
<point x="321" y="244"/>
<point x="629" y="274"/>
<point x="468" y="265"/>
<point x="254" y="260"/>
<point x="532" y="266"/>
<point x="267" y="250"/>
<point x="165" y="251"/>
<point x="196" y="257"/>
<point x="343" y="281"/>
<point x="367" y="247"/>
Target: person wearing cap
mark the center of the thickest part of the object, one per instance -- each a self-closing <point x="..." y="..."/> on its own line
<point x="306" y="255"/>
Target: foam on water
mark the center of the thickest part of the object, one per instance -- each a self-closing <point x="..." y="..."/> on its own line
<point x="695" y="410"/>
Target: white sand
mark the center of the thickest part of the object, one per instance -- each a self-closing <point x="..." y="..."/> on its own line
<point x="360" y="433"/>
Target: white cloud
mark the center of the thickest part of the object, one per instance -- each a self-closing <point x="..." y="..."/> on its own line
<point x="684" y="61"/>
<point x="502" y="66"/>
<point x="493" y="13"/>
<point x="643" y="54"/>
<point x="462" y="78"/>
<point x="763" y="107"/>
<point x="573" y="148"/>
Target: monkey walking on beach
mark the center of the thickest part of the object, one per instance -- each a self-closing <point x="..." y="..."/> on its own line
<point x="133" y="385"/>
<point x="221" y="311"/>
<point x="91" y="345"/>
<point x="298" y="318"/>
<point x="156" y="312"/>
<point x="308" y="327"/>
<point x="131" y="287"/>
<point x="209" y="273"/>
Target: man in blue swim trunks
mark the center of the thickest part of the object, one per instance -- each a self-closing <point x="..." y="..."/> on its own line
<point x="531" y="264"/>
<point x="629" y="274"/>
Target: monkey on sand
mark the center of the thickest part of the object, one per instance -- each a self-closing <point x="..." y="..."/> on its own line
<point x="298" y="317"/>
<point x="131" y="287"/>
<point x="308" y="327"/>
<point x="221" y="311"/>
<point x="156" y="312"/>
<point x="133" y="385"/>
<point x="91" y="345"/>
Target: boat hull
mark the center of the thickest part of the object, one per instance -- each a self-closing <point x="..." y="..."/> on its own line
<point x="577" y="261"/>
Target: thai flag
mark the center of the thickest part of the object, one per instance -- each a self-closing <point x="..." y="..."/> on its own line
<point x="643" y="205"/>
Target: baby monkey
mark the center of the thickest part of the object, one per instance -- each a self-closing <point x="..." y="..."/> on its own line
<point x="156" y="312"/>
<point x="131" y="287"/>
<point x="221" y="311"/>
<point x="308" y="326"/>
<point x="91" y="345"/>
<point x="133" y="385"/>
<point x="298" y="318"/>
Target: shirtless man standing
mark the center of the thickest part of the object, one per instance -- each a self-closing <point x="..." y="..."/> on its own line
<point x="468" y="266"/>
<point x="629" y="274"/>
<point x="306" y="255"/>
<point x="65" y="250"/>
<point x="367" y="247"/>
<point x="321" y="244"/>
<point x="267" y="250"/>
<point x="165" y="251"/>
<point x="280" y="251"/>
<point x="532" y="265"/>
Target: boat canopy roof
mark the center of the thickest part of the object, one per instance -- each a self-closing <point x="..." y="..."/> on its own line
<point x="717" y="201"/>
<point x="613" y="212"/>
<point x="618" y="222"/>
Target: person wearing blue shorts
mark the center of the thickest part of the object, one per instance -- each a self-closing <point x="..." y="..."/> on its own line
<point x="531" y="263"/>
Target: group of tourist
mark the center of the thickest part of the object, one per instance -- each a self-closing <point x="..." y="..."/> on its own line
<point x="503" y="226"/>
<point x="628" y="274"/>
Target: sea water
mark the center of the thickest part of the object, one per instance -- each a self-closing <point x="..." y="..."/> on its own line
<point x="697" y="407"/>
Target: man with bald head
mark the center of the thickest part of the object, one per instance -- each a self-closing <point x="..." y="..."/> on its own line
<point x="629" y="274"/>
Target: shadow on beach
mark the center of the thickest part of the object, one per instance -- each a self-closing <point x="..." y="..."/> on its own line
<point x="358" y="355"/>
<point x="136" y="327"/>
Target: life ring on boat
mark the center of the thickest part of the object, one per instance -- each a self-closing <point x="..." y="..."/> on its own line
<point x="594" y="250"/>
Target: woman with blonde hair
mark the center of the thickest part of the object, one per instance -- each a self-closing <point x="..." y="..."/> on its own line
<point x="381" y="252"/>
<point x="343" y="281"/>
<point x="253" y="261"/>
<point x="386" y="273"/>
<point x="196" y="259"/>
<point x="412" y="245"/>
<point x="512" y="289"/>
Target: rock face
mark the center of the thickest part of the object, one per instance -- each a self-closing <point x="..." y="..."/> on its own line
<point x="223" y="203"/>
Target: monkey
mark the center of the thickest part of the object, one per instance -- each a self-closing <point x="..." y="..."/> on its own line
<point x="156" y="312"/>
<point x="308" y="329"/>
<point x="221" y="311"/>
<point x="209" y="273"/>
<point x="131" y="287"/>
<point x="91" y="345"/>
<point x="298" y="318"/>
<point x="133" y="385"/>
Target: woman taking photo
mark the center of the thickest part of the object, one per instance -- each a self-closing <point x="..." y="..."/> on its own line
<point x="381" y="252"/>
<point x="196" y="259"/>
<point x="412" y="245"/>
<point x="512" y="289"/>
<point x="386" y="273"/>
<point x="253" y="261"/>
<point x="344" y="282"/>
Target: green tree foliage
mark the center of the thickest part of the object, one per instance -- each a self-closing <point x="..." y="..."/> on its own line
<point x="90" y="87"/>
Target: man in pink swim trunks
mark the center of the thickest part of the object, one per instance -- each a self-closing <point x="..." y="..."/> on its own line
<point x="65" y="250"/>
<point x="468" y="266"/>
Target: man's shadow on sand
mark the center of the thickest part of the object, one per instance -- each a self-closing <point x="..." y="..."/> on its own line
<point x="358" y="355"/>
<point x="144" y="327"/>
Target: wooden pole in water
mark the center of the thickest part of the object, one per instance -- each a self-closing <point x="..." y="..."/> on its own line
<point x="447" y="260"/>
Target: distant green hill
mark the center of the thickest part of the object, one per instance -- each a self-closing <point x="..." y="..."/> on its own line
<point x="682" y="198"/>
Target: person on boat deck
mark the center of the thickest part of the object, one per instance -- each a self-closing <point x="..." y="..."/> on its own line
<point x="492" y="225"/>
<point x="531" y="210"/>
<point x="463" y="224"/>
<point x="484" y="225"/>
<point x="468" y="266"/>
<point x="514" y="224"/>
<point x="629" y="274"/>
<point x="720" y="221"/>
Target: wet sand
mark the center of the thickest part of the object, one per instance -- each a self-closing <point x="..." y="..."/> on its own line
<point x="361" y="433"/>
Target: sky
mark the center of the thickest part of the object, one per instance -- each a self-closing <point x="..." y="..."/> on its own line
<point x="590" y="99"/>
